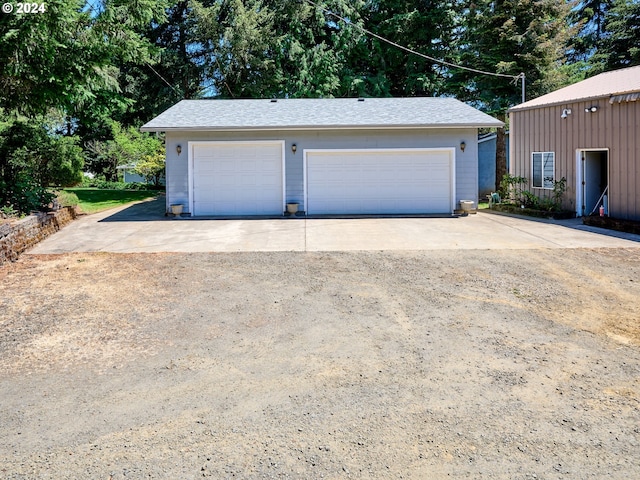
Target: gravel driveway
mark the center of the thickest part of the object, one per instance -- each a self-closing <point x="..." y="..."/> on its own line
<point x="469" y="364"/>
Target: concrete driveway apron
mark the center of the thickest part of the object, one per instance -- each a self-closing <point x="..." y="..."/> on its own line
<point x="143" y="227"/>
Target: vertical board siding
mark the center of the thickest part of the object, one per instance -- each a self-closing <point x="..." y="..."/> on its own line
<point x="615" y="127"/>
<point x="620" y="196"/>
<point x="633" y="177"/>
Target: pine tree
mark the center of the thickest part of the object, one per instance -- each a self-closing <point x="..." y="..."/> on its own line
<point x="380" y="69"/>
<point x="510" y="37"/>
<point x="63" y="57"/>
<point x="621" y="45"/>
<point x="590" y="16"/>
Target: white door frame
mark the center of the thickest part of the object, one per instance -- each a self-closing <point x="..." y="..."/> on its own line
<point x="450" y="150"/>
<point x="580" y="176"/>
<point x="191" y="159"/>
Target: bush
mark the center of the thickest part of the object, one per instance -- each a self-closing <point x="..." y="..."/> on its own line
<point x="511" y="191"/>
<point x="511" y="188"/>
<point x="529" y="200"/>
<point x="31" y="160"/>
<point x="67" y="199"/>
<point x="25" y="195"/>
<point x="8" y="211"/>
<point x="105" y="185"/>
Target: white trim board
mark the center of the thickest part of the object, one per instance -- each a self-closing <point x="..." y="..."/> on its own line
<point x="579" y="177"/>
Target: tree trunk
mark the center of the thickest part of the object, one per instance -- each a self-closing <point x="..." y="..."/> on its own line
<point x="501" y="156"/>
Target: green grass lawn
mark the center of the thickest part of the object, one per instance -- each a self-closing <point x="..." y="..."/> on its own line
<point x="92" y="200"/>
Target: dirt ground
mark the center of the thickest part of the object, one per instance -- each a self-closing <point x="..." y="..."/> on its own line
<point x="475" y="364"/>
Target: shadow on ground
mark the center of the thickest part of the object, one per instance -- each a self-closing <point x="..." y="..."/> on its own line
<point x="144" y="211"/>
<point x="573" y="223"/>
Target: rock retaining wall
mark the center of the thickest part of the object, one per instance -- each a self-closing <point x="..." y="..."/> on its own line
<point x="17" y="237"/>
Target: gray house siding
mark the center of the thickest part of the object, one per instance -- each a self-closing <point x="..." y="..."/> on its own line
<point x="487" y="164"/>
<point x="466" y="162"/>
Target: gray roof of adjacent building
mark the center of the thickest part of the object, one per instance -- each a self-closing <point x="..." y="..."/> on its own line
<point x="619" y="85"/>
<point x="325" y="113"/>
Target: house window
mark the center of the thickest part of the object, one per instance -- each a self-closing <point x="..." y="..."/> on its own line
<point x="543" y="165"/>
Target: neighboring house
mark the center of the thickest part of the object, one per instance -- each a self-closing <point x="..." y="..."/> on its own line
<point x="130" y="176"/>
<point x="588" y="133"/>
<point x="487" y="163"/>
<point x="330" y="156"/>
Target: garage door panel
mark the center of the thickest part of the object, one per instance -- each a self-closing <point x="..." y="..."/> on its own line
<point x="399" y="181"/>
<point x="237" y="179"/>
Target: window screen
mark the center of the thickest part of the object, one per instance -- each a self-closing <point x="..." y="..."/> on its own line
<point x="543" y="169"/>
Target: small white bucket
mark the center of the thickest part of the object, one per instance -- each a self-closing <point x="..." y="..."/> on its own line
<point x="466" y="205"/>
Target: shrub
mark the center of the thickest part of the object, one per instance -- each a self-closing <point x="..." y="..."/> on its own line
<point x="25" y="194"/>
<point x="511" y="188"/>
<point x="105" y="185"/>
<point x="67" y="199"/>
<point x="529" y="200"/>
<point x="8" y="211"/>
<point x="31" y="160"/>
<point x="559" y="189"/>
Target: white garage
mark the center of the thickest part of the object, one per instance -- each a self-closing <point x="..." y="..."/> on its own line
<point x="380" y="181"/>
<point x="236" y="178"/>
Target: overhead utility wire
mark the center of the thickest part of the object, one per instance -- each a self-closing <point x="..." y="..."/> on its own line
<point x="93" y="8"/>
<point x="163" y="79"/>
<point x="515" y="78"/>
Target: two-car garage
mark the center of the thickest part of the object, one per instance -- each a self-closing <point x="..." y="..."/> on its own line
<point x="247" y="178"/>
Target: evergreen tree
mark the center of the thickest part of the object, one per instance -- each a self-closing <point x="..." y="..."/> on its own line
<point x="313" y="47"/>
<point x="621" y="45"/>
<point x="511" y="36"/>
<point x="590" y="17"/>
<point x="378" y="68"/>
<point x="282" y="48"/>
<point x="61" y="58"/>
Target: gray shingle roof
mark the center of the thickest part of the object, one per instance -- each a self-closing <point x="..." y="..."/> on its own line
<point x="319" y="114"/>
<point x="607" y="84"/>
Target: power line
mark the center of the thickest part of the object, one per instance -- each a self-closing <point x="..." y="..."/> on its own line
<point x="515" y="78"/>
<point x="163" y="79"/>
<point x="95" y="10"/>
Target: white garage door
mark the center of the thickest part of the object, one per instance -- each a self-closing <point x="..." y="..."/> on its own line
<point x="244" y="178"/>
<point x="379" y="181"/>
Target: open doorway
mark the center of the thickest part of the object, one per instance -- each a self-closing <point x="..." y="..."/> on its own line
<point x="593" y="181"/>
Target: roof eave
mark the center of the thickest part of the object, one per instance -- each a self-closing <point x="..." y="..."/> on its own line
<point x="144" y="128"/>
<point x="567" y="101"/>
<point x="556" y="104"/>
